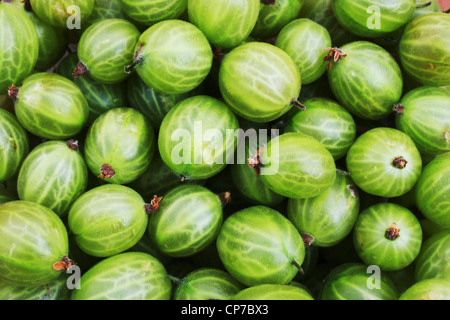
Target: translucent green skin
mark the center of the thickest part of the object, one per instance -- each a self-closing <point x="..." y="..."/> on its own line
<point x="33" y="239"/>
<point x="108" y="220"/>
<point x="426" y="119"/>
<point x="357" y="15"/>
<point x="53" y="175"/>
<point x="433" y="260"/>
<point x="258" y="81"/>
<point x="101" y="97"/>
<point x="321" y="11"/>
<point x="429" y="289"/>
<point x="52" y="41"/>
<point x="329" y="217"/>
<point x="424" y="49"/>
<point x="226" y="23"/>
<point x="207" y="284"/>
<point x="126" y="276"/>
<point x="149" y="12"/>
<point x="350" y="281"/>
<point x="56" y="12"/>
<point x="433" y="190"/>
<point x="175" y="57"/>
<point x="123" y="139"/>
<point x="375" y="249"/>
<point x="304" y="41"/>
<point x="51" y="106"/>
<point x="370" y="162"/>
<point x="107" y="47"/>
<point x="153" y="104"/>
<point x="54" y="290"/>
<point x="15" y="145"/>
<point x="178" y="132"/>
<point x="188" y="219"/>
<point x="326" y="121"/>
<point x="258" y="245"/>
<point x="273" y="292"/>
<point x="367" y="82"/>
<point x="272" y="18"/>
<point x="18" y="60"/>
<point x="297" y="166"/>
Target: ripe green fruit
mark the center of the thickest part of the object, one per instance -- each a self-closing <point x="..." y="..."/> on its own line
<point x="433" y="190"/>
<point x="274" y="16"/>
<point x="308" y="58"/>
<point x="366" y="79"/>
<point x="260" y="236"/>
<point x="326" y="121"/>
<point x="108" y="220"/>
<point x="153" y="104"/>
<point x="328" y="218"/>
<point x="33" y="239"/>
<point x="384" y="162"/>
<point x="387" y="235"/>
<point x="105" y="49"/>
<point x="149" y="12"/>
<point x="259" y="81"/>
<point x="119" y="146"/>
<point x="188" y="219"/>
<point x="429" y="289"/>
<point x="433" y="260"/>
<point x="19" y="46"/>
<point x="297" y="166"/>
<point x="126" y="276"/>
<point x="15" y="145"/>
<point x="273" y="292"/>
<point x="201" y="123"/>
<point x="369" y="18"/>
<point x="172" y="57"/>
<point x="424" y="115"/>
<point x="354" y="281"/>
<point x="424" y="49"/>
<point x="52" y="41"/>
<point x="50" y="106"/>
<point x="54" y="175"/>
<point x="207" y="284"/>
<point x="225" y="23"/>
<point x="54" y="290"/>
<point x="101" y="97"/>
<point x="60" y="13"/>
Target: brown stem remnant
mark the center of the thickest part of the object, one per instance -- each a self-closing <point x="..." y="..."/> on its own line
<point x="73" y="145"/>
<point x="106" y="171"/>
<point x="307" y="240"/>
<point x="268" y="2"/>
<point x="352" y="190"/>
<point x="13" y="92"/>
<point x="137" y="59"/>
<point x="297" y="104"/>
<point x="153" y="205"/>
<point x="424" y="5"/>
<point x="64" y="264"/>
<point x="334" y="55"/>
<point x="399" y="162"/>
<point x="80" y="70"/>
<point x="225" y="198"/>
<point x="255" y="161"/>
<point x="218" y="54"/>
<point x="393" y="232"/>
<point x="299" y="267"/>
<point x="399" y="109"/>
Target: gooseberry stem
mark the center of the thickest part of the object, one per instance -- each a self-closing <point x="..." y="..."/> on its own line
<point x="174" y="279"/>
<point x="13" y="92"/>
<point x="73" y="145"/>
<point x="225" y="198"/>
<point x="63" y="264"/>
<point x="393" y="232"/>
<point x="399" y="162"/>
<point x="297" y="104"/>
<point x="399" y="109"/>
<point x="299" y="267"/>
<point x="106" y="171"/>
<point x="424" y="5"/>
<point x="153" y="205"/>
